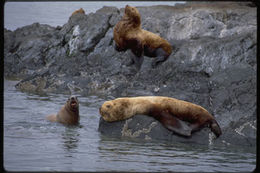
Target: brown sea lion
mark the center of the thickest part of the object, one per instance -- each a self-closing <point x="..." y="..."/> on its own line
<point x="128" y="34"/>
<point x="78" y="11"/>
<point x="68" y="114"/>
<point x="176" y="115"/>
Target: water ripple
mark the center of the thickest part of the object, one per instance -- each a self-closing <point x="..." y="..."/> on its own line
<point x="33" y="144"/>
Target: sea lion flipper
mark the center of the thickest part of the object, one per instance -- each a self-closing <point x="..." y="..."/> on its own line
<point x="52" y="118"/>
<point x="161" y="57"/>
<point x="174" y="124"/>
<point x="215" y="128"/>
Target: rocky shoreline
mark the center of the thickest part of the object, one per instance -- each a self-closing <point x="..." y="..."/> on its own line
<point x="213" y="63"/>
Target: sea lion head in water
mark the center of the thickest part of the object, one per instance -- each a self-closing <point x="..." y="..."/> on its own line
<point x="72" y="104"/>
<point x="68" y="114"/>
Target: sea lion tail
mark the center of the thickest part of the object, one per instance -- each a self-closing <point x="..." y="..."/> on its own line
<point x="215" y="128"/>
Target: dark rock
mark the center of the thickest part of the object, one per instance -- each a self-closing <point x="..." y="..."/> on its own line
<point x="145" y="127"/>
<point x="213" y="63"/>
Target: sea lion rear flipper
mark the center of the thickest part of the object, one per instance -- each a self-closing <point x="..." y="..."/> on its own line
<point x="174" y="124"/>
<point x="215" y="128"/>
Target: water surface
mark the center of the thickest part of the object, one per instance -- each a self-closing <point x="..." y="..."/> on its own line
<point x="33" y="144"/>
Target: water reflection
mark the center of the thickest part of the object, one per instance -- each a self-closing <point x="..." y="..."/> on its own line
<point x="78" y="148"/>
<point x="70" y="138"/>
<point x="159" y="155"/>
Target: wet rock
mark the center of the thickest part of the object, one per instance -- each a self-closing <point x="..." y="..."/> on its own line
<point x="213" y="63"/>
<point x="25" y="48"/>
<point x="145" y="127"/>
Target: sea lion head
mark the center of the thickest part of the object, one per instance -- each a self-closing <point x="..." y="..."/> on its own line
<point x="114" y="110"/>
<point x="133" y="14"/>
<point x="73" y="103"/>
<point x="79" y="11"/>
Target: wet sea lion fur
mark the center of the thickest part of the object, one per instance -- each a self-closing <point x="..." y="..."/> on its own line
<point x="179" y="116"/>
<point x="68" y="114"/>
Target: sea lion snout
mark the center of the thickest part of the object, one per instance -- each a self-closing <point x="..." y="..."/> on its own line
<point x="100" y="111"/>
<point x="73" y="101"/>
<point x="105" y="111"/>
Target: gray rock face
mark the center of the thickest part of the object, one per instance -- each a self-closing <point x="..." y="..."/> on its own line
<point x="213" y="63"/>
<point x="147" y="128"/>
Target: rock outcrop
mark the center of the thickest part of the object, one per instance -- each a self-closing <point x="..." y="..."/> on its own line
<point x="213" y="64"/>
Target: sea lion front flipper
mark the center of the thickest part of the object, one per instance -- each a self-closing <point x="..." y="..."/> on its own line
<point x="52" y="118"/>
<point x="172" y="123"/>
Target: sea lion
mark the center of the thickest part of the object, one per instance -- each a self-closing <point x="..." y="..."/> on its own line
<point x="179" y="116"/>
<point x="78" y="11"/>
<point x="128" y="34"/>
<point x="68" y="114"/>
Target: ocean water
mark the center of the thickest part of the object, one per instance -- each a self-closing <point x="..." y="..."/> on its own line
<point x="31" y="143"/>
<point x="18" y="14"/>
